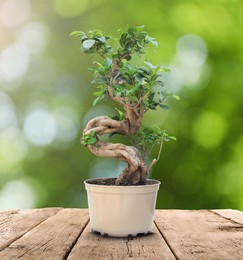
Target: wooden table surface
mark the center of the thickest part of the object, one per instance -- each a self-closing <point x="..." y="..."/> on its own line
<point x="57" y="233"/>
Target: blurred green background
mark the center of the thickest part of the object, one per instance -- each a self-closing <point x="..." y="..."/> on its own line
<point x="46" y="100"/>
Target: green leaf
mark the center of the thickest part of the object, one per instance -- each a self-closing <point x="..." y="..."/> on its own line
<point x="140" y="27"/>
<point x="87" y="51"/>
<point x="89" y="138"/>
<point x="151" y="96"/>
<point x="108" y="63"/>
<point x="96" y="33"/>
<point x="77" y="33"/>
<point x="152" y="105"/>
<point x="165" y="107"/>
<point x="92" y="140"/>
<point x="172" y="138"/>
<point x="176" y="97"/>
<point x="150" y="65"/>
<point x="92" y="133"/>
<point x="153" y="41"/>
<point x="93" y="68"/>
<point x="98" y="81"/>
<point x="87" y="44"/>
<point x="101" y="39"/>
<point x="98" y="93"/>
<point x="121" y="114"/>
<point x="164" y="70"/>
<point x="99" y="64"/>
<point x="98" y="99"/>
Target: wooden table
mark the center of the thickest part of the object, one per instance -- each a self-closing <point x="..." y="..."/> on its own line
<point x="57" y="233"/>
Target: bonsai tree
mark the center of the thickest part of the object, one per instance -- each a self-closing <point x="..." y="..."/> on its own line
<point x="135" y="89"/>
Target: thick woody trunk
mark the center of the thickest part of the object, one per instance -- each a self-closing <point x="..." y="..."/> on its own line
<point x="136" y="170"/>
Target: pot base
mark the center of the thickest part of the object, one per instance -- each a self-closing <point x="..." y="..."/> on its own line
<point x="128" y="235"/>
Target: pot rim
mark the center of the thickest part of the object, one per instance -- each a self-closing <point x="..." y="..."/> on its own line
<point x="155" y="183"/>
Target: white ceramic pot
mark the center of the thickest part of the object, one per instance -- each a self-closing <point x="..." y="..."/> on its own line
<point x="122" y="211"/>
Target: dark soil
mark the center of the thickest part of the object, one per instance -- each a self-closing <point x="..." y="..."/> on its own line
<point x="111" y="182"/>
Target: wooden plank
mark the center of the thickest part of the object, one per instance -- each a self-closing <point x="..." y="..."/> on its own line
<point x="233" y="215"/>
<point x="96" y="247"/>
<point x="200" y="234"/>
<point x="52" y="239"/>
<point x="15" y="223"/>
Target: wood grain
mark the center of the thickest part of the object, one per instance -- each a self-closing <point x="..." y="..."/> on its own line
<point x="200" y="234"/>
<point x="57" y="233"/>
<point x="233" y="215"/>
<point x="51" y="239"/>
<point x="15" y="223"/>
<point x="94" y="246"/>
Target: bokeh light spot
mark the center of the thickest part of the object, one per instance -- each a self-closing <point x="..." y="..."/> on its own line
<point x="191" y="50"/>
<point x="17" y="194"/>
<point x="40" y="127"/>
<point x="14" y="62"/>
<point x="67" y="121"/>
<point x="7" y="113"/>
<point x="34" y="36"/>
<point x="15" y="12"/>
<point x="209" y="130"/>
<point x="13" y="145"/>
<point x="190" y="59"/>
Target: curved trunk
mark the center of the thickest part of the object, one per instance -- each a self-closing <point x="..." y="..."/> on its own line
<point x="136" y="170"/>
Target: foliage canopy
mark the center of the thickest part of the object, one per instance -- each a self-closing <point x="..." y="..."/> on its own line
<point x="136" y="89"/>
